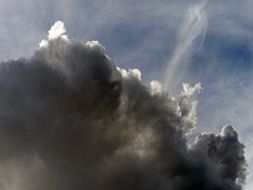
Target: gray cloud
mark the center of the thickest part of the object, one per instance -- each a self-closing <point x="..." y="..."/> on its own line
<point x="71" y="119"/>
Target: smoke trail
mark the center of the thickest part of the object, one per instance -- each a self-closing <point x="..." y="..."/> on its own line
<point x="71" y="119"/>
<point x="191" y="37"/>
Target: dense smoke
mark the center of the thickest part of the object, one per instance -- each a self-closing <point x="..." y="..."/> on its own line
<point x="71" y="120"/>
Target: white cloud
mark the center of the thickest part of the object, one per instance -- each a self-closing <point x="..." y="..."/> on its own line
<point x="190" y="38"/>
<point x="56" y="31"/>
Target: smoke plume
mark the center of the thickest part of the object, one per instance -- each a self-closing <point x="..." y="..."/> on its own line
<point x="71" y="119"/>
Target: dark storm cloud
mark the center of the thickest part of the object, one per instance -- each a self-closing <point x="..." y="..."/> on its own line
<point x="71" y="119"/>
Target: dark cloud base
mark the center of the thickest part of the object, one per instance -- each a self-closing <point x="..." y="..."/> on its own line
<point x="70" y="119"/>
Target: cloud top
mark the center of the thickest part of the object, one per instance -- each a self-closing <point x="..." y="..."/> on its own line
<point x="56" y="31"/>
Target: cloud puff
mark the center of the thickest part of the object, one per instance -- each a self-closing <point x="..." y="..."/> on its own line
<point x="71" y="119"/>
<point x="57" y="31"/>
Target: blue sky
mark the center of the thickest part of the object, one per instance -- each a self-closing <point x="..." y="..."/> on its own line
<point x="144" y="35"/>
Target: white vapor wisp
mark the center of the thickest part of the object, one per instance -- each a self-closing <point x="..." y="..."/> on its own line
<point x="191" y="37"/>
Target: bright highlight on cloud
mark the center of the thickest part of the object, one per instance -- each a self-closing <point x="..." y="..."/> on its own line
<point x="71" y="119"/>
<point x="57" y="31"/>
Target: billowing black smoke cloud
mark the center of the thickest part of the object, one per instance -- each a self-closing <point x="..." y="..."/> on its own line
<point x="70" y="119"/>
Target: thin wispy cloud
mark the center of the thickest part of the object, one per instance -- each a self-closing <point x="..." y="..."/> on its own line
<point x="190" y="39"/>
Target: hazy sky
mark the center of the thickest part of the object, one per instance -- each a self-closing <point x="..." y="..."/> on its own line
<point x="217" y="36"/>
